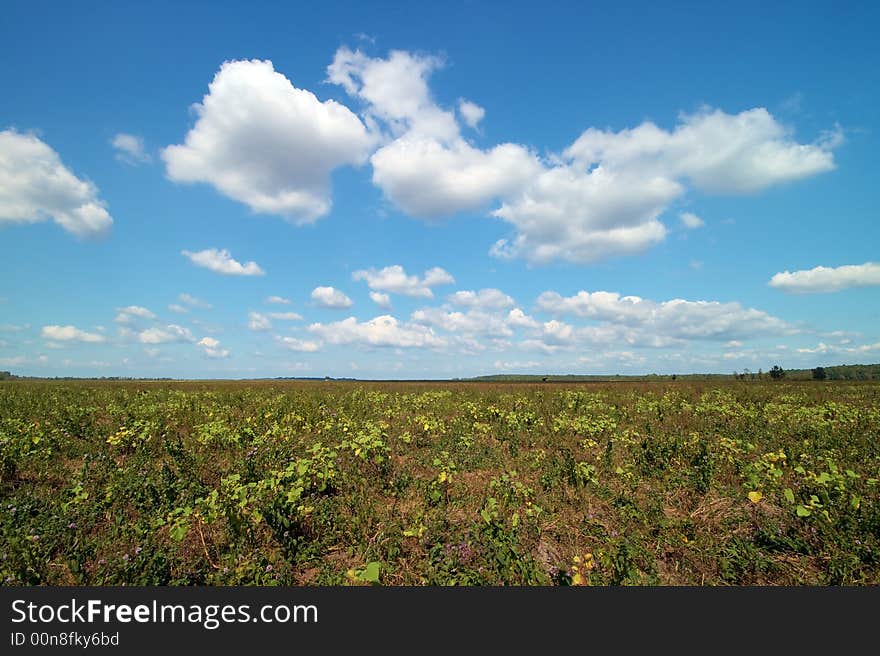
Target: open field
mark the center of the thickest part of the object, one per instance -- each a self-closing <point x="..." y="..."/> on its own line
<point x="306" y="483"/>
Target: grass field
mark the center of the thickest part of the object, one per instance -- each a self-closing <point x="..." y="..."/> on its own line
<point x="308" y="483"/>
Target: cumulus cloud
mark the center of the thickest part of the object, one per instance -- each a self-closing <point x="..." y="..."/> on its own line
<point x="657" y="323"/>
<point x="192" y="301"/>
<point x="171" y="333"/>
<point x="381" y="299"/>
<point x="426" y="168"/>
<point x="221" y="261"/>
<point x="36" y="186"/>
<point x="383" y="330"/>
<point x="263" y="142"/>
<point x="330" y="297"/>
<point x="300" y="345"/>
<point x="174" y="307"/>
<point x="430" y="179"/>
<point x="691" y="221"/>
<point x="285" y="316"/>
<point x="602" y="196"/>
<point x="830" y="349"/>
<point x="471" y="112"/>
<point x="70" y="334"/>
<point x="486" y="299"/>
<point x="395" y="90"/>
<point x="130" y="149"/>
<point x="278" y="300"/>
<point x="567" y="213"/>
<point x="517" y="318"/>
<point x="716" y="151"/>
<point x="472" y="322"/>
<point x="211" y="348"/>
<point x="258" y="322"/>
<point x="394" y="279"/>
<point x="508" y="366"/>
<point x="129" y="313"/>
<point x="827" y="279"/>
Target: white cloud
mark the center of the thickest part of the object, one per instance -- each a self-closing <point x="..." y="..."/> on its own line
<point x="383" y="330"/>
<point x="152" y="352"/>
<point x="508" y="366"/>
<point x="829" y="349"/>
<point x="171" y="333"/>
<point x="472" y="322"/>
<point x="380" y="299"/>
<point x="600" y="197"/>
<point x="278" y="300"/>
<point x="394" y="279"/>
<point x="569" y="213"/>
<point x="395" y="90"/>
<point x="36" y="186"/>
<point x="194" y="302"/>
<point x="301" y="345"/>
<point x="675" y="319"/>
<point x="828" y="279"/>
<point x="427" y="169"/>
<point x="431" y="179"/>
<point x="130" y="149"/>
<point x="70" y="334"/>
<point x="329" y="297"/>
<point x="690" y="220"/>
<point x="127" y="314"/>
<point x="174" y="307"/>
<point x="471" y="112"/>
<point x="486" y="299"/>
<point x="221" y="261"/>
<point x="258" y="322"/>
<point x="516" y="317"/>
<point x="261" y="141"/>
<point x="285" y="316"/>
<point x="717" y="152"/>
<point x="211" y="348"/>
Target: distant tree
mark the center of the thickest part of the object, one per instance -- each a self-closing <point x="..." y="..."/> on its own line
<point x="819" y="373"/>
<point x="777" y="372"/>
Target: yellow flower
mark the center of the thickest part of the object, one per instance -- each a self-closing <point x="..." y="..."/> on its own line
<point x="755" y="497"/>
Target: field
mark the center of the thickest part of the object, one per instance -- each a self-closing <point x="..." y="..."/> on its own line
<point x="346" y="483"/>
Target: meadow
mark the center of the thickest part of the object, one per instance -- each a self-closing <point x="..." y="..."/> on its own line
<point x="354" y="483"/>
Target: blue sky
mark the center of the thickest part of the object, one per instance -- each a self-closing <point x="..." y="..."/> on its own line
<point x="437" y="191"/>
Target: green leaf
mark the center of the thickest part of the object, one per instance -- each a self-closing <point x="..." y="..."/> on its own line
<point x="803" y="511"/>
<point x="370" y="573"/>
<point x="789" y="495"/>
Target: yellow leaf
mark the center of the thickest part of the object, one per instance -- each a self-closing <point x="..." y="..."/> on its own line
<point x="755" y="497"/>
<point x="577" y="579"/>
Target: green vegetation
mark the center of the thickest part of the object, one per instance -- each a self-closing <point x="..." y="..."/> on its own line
<point x="345" y="483"/>
<point x="841" y="372"/>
